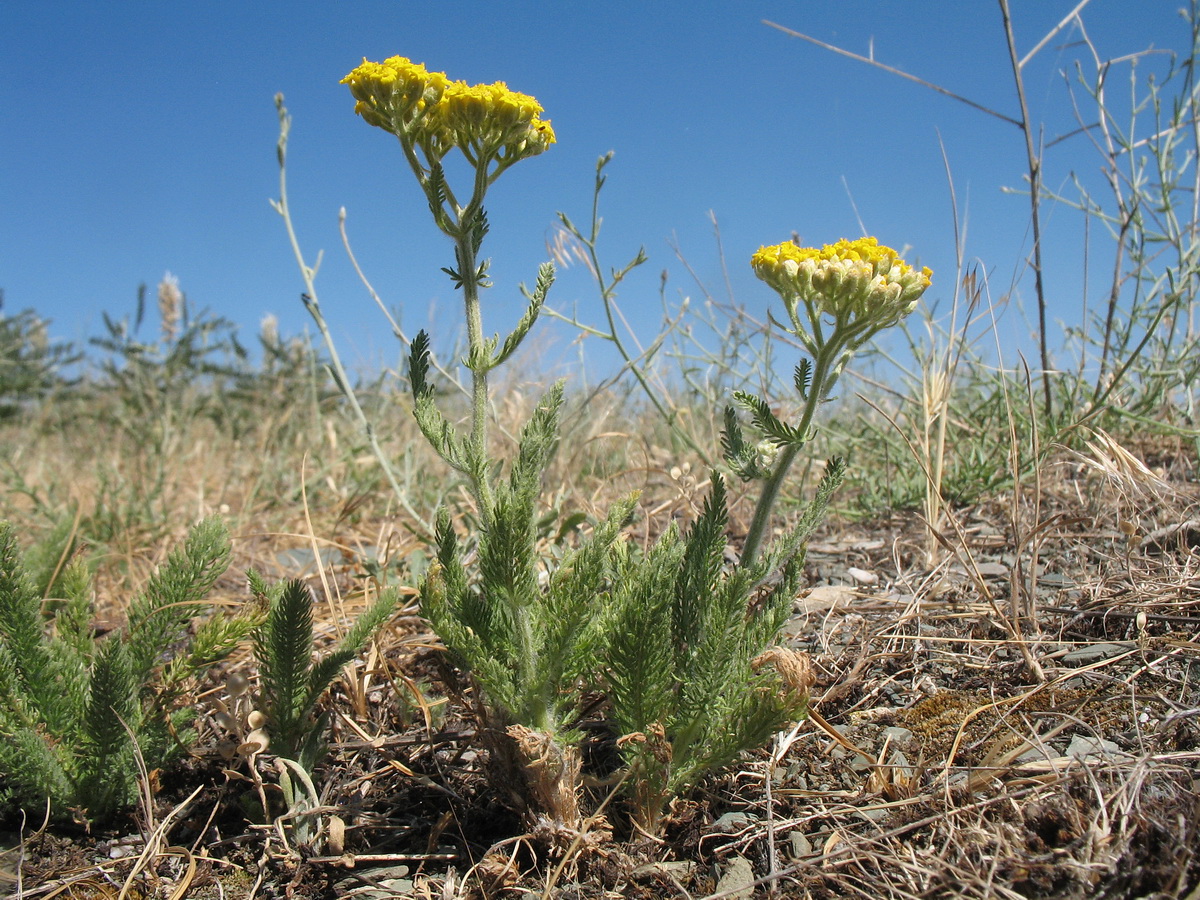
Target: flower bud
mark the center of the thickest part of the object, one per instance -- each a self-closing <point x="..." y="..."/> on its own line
<point x="860" y="284"/>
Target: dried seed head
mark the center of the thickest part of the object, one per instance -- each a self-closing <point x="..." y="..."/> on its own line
<point x="256" y="742"/>
<point x="794" y="668"/>
<point x="237" y="684"/>
<point x="170" y="307"/>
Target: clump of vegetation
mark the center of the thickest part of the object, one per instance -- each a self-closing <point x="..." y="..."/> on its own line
<point x="80" y="717"/>
<point x="666" y="630"/>
<point x="613" y="662"/>
<point x="290" y="682"/>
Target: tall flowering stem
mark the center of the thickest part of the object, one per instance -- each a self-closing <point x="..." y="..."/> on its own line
<point x="494" y="128"/>
<point x="837" y="298"/>
<point x="526" y="635"/>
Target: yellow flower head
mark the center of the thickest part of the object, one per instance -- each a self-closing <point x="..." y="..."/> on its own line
<point x="860" y="284"/>
<point x="430" y="110"/>
<point x="490" y="118"/>
<point x="395" y="92"/>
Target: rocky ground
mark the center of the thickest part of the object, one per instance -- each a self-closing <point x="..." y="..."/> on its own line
<point x="1010" y="711"/>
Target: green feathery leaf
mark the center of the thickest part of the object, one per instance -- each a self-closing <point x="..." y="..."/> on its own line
<point x="108" y="771"/>
<point x="283" y="647"/>
<point x="787" y="546"/>
<point x="802" y="378"/>
<point x="536" y="301"/>
<point x="22" y="628"/>
<point x="742" y="457"/>
<point x="428" y="417"/>
<point x="703" y="559"/>
<point x="159" y="617"/>
<point x="775" y="430"/>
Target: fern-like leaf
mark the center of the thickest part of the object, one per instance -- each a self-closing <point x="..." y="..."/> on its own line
<point x="695" y="587"/>
<point x="742" y="457"/>
<point x="577" y="599"/>
<point x="21" y="623"/>
<point x="787" y="546"/>
<point x="802" y="378"/>
<point x="536" y="301"/>
<point x="538" y="441"/>
<point x="435" y="191"/>
<point x="428" y="417"/>
<point x="283" y="646"/>
<point x="363" y="629"/>
<point x="108" y="774"/>
<point x="640" y="657"/>
<point x="775" y="430"/>
<point x="159" y="617"/>
<point x="479" y="226"/>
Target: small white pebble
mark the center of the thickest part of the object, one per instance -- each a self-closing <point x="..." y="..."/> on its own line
<point x="862" y="576"/>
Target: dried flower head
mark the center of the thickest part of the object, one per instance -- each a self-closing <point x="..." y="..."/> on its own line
<point x="170" y="306"/>
<point x="861" y="284"/>
<point x="793" y="666"/>
<point x="268" y="330"/>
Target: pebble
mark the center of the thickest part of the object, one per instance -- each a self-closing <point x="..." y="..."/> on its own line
<point x="862" y="576"/>
<point x="801" y="845"/>
<point x="733" y="821"/>
<point x="1086" y="747"/>
<point x="897" y="734"/>
<point x="681" y="870"/>
<point x="386" y="883"/>
<point x="1095" y="652"/>
<point x="901" y="767"/>
<point x="737" y="882"/>
<point x="992" y="569"/>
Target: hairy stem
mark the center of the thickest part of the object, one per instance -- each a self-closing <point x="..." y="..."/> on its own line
<point x="823" y="379"/>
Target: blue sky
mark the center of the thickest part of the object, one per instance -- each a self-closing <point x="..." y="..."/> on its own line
<point x="139" y="137"/>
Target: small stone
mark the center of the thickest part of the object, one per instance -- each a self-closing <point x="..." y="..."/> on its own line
<point x="801" y="845"/>
<point x="901" y="767"/>
<point x="681" y="870"/>
<point x="1095" y="652"/>
<point x="897" y="734"/>
<point x="733" y="821"/>
<point x="862" y="576"/>
<point x="1085" y="747"/>
<point x="1032" y="755"/>
<point x="824" y="597"/>
<point x="737" y="882"/>
<point x="861" y="763"/>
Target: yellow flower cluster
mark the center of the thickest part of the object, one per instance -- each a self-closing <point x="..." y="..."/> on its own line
<point x="429" y="110"/>
<point x="395" y="92"/>
<point x="857" y="283"/>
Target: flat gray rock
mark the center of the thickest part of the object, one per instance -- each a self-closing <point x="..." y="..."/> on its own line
<point x="1091" y="653"/>
<point x="737" y="882"/>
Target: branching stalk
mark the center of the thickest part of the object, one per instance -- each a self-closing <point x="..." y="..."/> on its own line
<point x="311" y="303"/>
